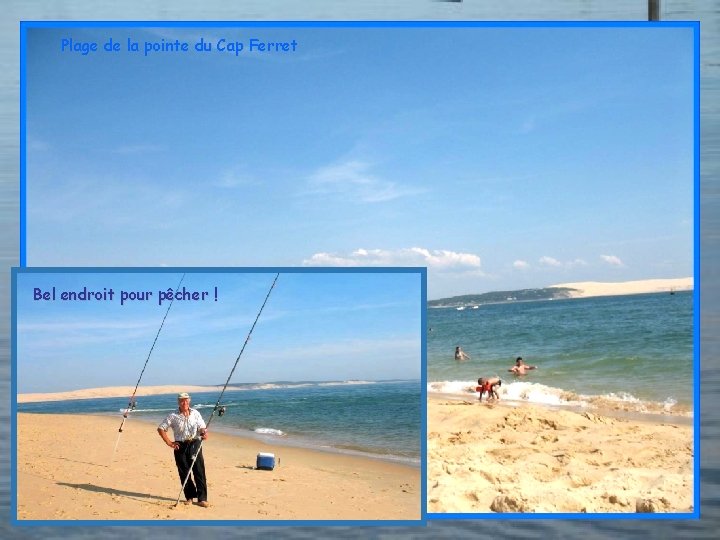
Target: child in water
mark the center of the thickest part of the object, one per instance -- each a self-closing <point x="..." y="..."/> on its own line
<point x="488" y="386"/>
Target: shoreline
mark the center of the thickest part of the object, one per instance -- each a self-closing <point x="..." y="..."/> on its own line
<point x="296" y="442"/>
<point x="601" y="404"/>
<point x="299" y="440"/>
<point x="405" y="461"/>
<point x="84" y="479"/>
<point x="115" y="392"/>
<point x="497" y="458"/>
<point x="650" y="417"/>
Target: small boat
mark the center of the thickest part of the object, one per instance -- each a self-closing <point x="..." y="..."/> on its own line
<point x="460" y="308"/>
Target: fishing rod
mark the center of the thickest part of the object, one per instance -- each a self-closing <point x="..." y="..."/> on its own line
<point x="131" y="403"/>
<point x="217" y="404"/>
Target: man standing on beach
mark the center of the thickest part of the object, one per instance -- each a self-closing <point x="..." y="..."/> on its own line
<point x="188" y="428"/>
<point x="520" y="367"/>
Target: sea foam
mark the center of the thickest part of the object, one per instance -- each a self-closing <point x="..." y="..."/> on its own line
<point x="529" y="392"/>
<point x="269" y="431"/>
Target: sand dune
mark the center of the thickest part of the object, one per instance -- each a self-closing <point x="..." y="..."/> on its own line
<point x="114" y="391"/>
<point x="594" y="288"/>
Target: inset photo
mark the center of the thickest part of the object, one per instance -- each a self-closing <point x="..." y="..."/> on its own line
<point x="566" y="400"/>
<point x="245" y="395"/>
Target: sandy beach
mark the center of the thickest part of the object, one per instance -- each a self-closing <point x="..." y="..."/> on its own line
<point x="588" y="289"/>
<point x="114" y="391"/>
<point x="485" y="458"/>
<point x="66" y="470"/>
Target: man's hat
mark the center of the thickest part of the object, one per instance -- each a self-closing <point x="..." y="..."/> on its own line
<point x="183" y="395"/>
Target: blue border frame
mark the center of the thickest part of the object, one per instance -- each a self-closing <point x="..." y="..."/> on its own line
<point x="694" y="25"/>
<point x="696" y="275"/>
<point x="421" y="271"/>
<point x="23" y="146"/>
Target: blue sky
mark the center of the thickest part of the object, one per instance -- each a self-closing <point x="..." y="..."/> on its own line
<point x="315" y="326"/>
<point x="500" y="158"/>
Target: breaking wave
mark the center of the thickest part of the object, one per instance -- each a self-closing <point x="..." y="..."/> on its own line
<point x="528" y="392"/>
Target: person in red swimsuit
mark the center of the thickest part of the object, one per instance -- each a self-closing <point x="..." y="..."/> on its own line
<point x="488" y="386"/>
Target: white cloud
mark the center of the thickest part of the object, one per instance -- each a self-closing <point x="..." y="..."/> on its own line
<point x="353" y="179"/>
<point x="444" y="258"/>
<point x="521" y="265"/>
<point x="415" y="256"/>
<point x="326" y="259"/>
<point x="612" y="260"/>
<point x="549" y="261"/>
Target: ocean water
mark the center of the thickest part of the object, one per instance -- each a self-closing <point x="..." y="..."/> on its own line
<point x="377" y="419"/>
<point x="630" y="352"/>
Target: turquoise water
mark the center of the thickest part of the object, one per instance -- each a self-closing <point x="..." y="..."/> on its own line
<point x="635" y="352"/>
<point x="370" y="418"/>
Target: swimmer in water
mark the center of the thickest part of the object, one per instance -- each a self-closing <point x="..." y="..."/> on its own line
<point x="460" y="355"/>
<point x="520" y="367"/>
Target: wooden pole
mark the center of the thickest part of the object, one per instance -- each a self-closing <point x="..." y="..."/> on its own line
<point x="653" y="10"/>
